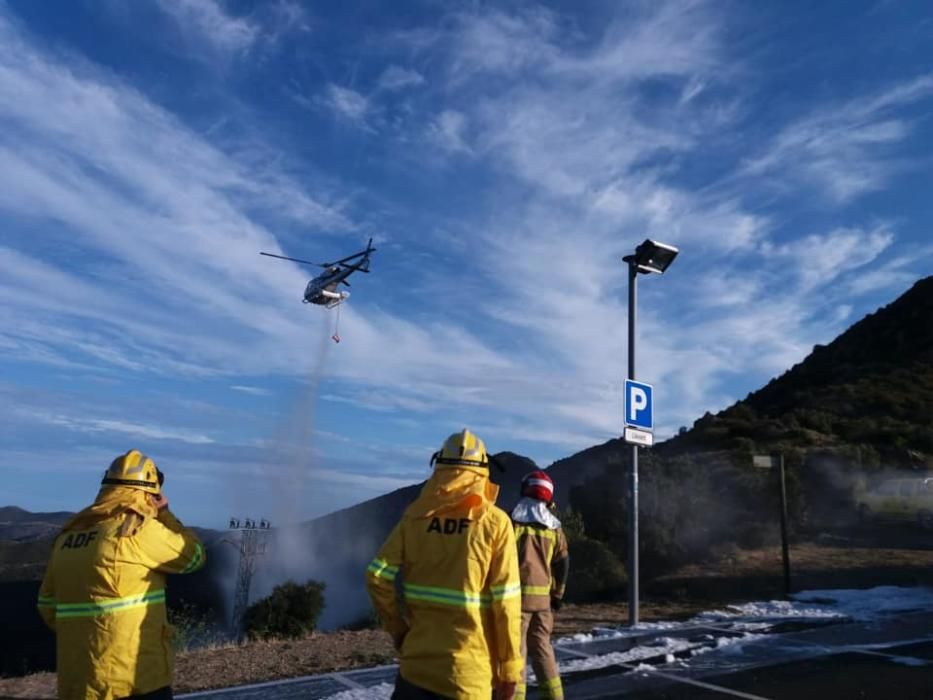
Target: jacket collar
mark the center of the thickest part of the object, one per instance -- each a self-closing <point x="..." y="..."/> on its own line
<point x="112" y="501"/>
<point x="531" y="510"/>
<point x="466" y="491"/>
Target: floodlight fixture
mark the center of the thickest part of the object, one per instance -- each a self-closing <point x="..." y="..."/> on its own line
<point x="652" y="257"/>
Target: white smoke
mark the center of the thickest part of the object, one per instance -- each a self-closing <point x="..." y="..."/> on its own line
<point x="287" y="471"/>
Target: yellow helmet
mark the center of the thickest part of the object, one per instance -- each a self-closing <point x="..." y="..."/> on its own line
<point x="136" y="470"/>
<point x="462" y="449"/>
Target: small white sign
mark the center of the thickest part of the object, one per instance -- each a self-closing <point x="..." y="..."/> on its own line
<point x="765" y="461"/>
<point x="638" y="437"/>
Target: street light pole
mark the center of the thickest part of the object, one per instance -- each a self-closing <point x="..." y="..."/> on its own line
<point x="785" y="551"/>
<point x="632" y="564"/>
<point x="650" y="257"/>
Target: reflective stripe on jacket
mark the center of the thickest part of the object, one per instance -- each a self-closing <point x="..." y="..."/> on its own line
<point x="447" y="584"/>
<point x="542" y="560"/>
<point x="104" y="596"/>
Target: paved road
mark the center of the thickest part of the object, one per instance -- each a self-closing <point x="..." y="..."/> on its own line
<point x="841" y="661"/>
<point x="893" y="673"/>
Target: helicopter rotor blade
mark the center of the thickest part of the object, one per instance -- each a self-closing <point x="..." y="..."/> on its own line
<point x="285" y="257"/>
<point x="349" y="257"/>
<point x="354" y="268"/>
<point x="345" y="282"/>
<point x="361" y="254"/>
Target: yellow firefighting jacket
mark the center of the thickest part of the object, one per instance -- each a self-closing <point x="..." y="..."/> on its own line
<point x="446" y="585"/>
<point x="104" y="595"/>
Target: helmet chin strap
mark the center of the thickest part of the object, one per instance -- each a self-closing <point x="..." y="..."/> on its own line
<point x="492" y="460"/>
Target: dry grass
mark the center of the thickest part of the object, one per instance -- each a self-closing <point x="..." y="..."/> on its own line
<point x="755" y="574"/>
<point x="261" y="661"/>
<point x="583" y="618"/>
<point x="255" y="662"/>
<point x="38" y="685"/>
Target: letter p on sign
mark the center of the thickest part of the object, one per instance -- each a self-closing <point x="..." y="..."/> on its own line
<point x="638" y="405"/>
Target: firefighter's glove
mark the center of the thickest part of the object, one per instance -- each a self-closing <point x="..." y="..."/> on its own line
<point x="556" y="603"/>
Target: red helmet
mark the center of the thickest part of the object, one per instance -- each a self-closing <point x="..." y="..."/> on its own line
<point x="538" y="485"/>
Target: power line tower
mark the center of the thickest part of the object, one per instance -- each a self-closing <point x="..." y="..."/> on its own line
<point x="251" y="545"/>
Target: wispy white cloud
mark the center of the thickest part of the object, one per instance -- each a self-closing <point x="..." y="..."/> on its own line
<point x="398" y="78"/>
<point x="500" y="42"/>
<point x="692" y="89"/>
<point x="209" y="23"/>
<point x="138" y="430"/>
<point x="211" y="31"/>
<point x="449" y="131"/>
<point x="846" y="149"/>
<point x="254" y="390"/>
<point x="895" y="274"/>
<point x="347" y="104"/>
<point x="817" y="260"/>
<point x="570" y="115"/>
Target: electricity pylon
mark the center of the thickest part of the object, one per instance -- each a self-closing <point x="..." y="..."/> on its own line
<point x="251" y="545"/>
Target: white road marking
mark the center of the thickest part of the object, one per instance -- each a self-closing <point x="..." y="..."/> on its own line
<point x="340" y="678"/>
<point x="701" y="684"/>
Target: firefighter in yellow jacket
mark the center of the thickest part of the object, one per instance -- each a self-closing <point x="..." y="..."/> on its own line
<point x="457" y="619"/>
<point x="104" y="588"/>
<point x="544" y="563"/>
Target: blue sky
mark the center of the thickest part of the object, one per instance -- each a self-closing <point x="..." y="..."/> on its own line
<point x="504" y="157"/>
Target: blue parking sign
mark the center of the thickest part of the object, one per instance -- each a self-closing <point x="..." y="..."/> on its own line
<point x="638" y="407"/>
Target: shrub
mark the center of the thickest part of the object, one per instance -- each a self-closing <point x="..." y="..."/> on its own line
<point x="595" y="572"/>
<point x="291" y="610"/>
<point x="572" y="523"/>
<point x="369" y="621"/>
<point x="193" y="627"/>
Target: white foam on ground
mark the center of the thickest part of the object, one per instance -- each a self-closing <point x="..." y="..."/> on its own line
<point x="663" y="647"/>
<point x="855" y="604"/>
<point x="644" y="668"/>
<point x="383" y="691"/>
<point x="603" y="633"/>
<point x="777" y="610"/>
<point x="730" y="645"/>
<point x="909" y="661"/>
<point x="868" y="604"/>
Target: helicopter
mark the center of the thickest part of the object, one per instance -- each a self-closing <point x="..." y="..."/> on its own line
<point x="322" y="290"/>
